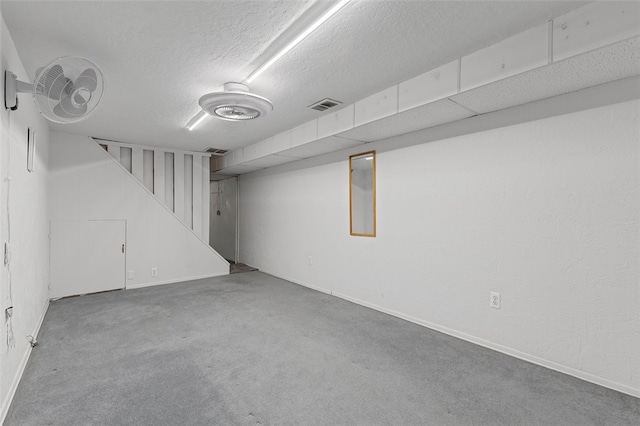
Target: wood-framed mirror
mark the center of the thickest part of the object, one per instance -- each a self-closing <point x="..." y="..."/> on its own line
<point x="362" y="194"/>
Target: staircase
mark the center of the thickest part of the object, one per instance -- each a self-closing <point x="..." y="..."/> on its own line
<point x="178" y="179"/>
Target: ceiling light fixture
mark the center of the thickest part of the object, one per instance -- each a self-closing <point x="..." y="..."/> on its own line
<point x="328" y="14"/>
<point x="235" y="103"/>
<point x="196" y="120"/>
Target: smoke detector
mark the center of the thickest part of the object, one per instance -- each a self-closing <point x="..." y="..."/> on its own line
<point x="235" y="103"/>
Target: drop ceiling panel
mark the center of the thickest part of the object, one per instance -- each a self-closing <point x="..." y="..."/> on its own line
<point x="596" y="67"/>
<point x="269" y="161"/>
<point x="321" y="146"/>
<point x="594" y="26"/>
<point x="423" y="117"/>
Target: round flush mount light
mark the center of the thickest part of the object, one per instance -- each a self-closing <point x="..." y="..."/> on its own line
<point x="235" y="103"/>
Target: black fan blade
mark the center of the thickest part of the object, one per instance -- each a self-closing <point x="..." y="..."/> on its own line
<point x="88" y="80"/>
<point x="65" y="109"/>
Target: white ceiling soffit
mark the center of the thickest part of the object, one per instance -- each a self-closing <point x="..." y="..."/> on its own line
<point x="422" y="117"/>
<point x="594" y="45"/>
<point x="270" y="161"/>
<point x="237" y="170"/>
<point x="322" y="146"/>
<point x="599" y="66"/>
<point x="160" y="57"/>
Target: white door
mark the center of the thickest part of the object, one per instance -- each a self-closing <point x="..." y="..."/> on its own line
<point x="87" y="256"/>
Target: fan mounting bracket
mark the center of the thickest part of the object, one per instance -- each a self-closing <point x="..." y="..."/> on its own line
<point x="13" y="86"/>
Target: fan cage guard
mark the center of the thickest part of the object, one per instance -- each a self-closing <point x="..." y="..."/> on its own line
<point x="72" y="68"/>
<point x="236" y="112"/>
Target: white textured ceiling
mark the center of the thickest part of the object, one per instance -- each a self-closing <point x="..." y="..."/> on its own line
<point x="158" y="58"/>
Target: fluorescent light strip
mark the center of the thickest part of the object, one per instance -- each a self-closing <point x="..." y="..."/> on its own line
<point x="196" y="120"/>
<point x="297" y="40"/>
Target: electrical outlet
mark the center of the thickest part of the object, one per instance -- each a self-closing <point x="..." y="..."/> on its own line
<point x="310" y="260"/>
<point x="494" y="300"/>
<point x="154" y="272"/>
<point x="131" y="275"/>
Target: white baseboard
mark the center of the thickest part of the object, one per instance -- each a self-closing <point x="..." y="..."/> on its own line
<point x="302" y="283"/>
<point x="172" y="281"/>
<point x="23" y="364"/>
<point x="588" y="377"/>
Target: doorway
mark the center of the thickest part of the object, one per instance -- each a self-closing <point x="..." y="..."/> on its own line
<point x="87" y="256"/>
<point x="223" y="218"/>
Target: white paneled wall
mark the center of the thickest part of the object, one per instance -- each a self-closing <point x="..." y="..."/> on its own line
<point x="137" y="163"/>
<point x="188" y="190"/>
<point x="147" y="169"/>
<point x="114" y="151"/>
<point x="206" y="193"/>
<point x="178" y="184"/>
<point x="178" y="179"/>
<point x="125" y="157"/>
<point x="196" y="203"/>
<point x="168" y="180"/>
<point x="158" y="175"/>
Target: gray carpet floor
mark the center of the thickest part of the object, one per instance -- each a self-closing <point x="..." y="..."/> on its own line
<point x="249" y="349"/>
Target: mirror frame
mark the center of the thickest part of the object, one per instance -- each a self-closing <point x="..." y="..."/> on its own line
<point x="373" y="188"/>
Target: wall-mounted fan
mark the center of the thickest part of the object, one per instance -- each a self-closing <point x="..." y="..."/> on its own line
<point x="67" y="90"/>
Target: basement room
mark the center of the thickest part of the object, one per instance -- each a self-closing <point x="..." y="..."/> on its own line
<point x="320" y="212"/>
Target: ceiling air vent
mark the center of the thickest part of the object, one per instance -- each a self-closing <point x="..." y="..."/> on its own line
<point x="324" y="104"/>
<point x="216" y="151"/>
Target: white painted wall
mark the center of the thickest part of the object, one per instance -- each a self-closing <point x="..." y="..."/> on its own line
<point x="188" y="190"/>
<point x="88" y="184"/>
<point x="168" y="180"/>
<point x="544" y="212"/>
<point x="222" y="228"/>
<point x="23" y="221"/>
